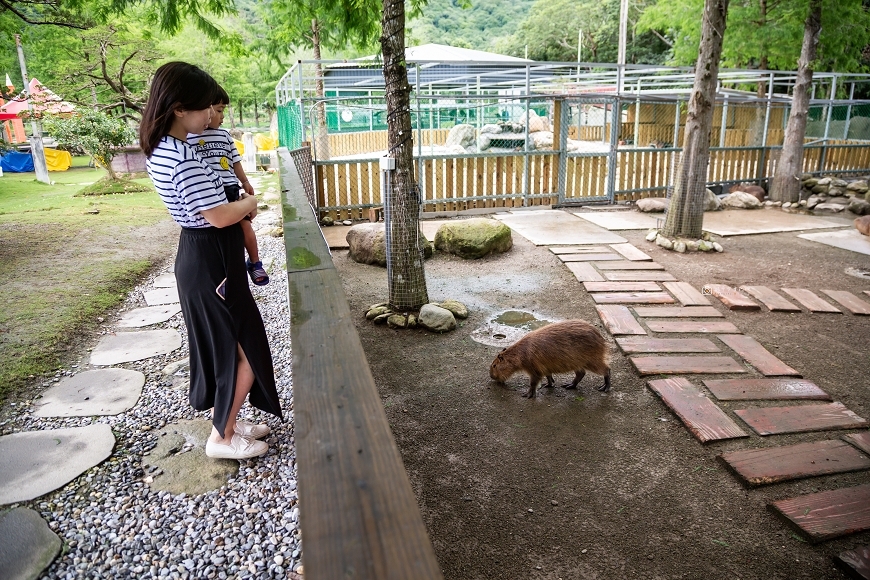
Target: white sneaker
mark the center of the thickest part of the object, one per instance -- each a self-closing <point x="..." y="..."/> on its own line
<point x="238" y="448"/>
<point x="252" y="431"/>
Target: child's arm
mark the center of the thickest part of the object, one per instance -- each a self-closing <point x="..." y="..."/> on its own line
<point x="240" y="175"/>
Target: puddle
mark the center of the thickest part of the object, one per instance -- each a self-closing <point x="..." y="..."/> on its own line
<point x="862" y="273"/>
<point x="507" y="327"/>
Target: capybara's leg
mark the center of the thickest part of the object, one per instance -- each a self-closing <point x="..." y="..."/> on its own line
<point x="533" y="387"/>
<point x="578" y="376"/>
<point x="606" y="386"/>
<point x="550" y="381"/>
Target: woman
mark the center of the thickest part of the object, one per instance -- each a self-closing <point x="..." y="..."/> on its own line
<point x="229" y="350"/>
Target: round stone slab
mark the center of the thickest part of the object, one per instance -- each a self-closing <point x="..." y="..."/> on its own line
<point x="27" y="544"/>
<point x="129" y="346"/>
<point x="37" y="462"/>
<point x="98" y="392"/>
<point x="149" y="315"/>
<point x="165" y="281"/>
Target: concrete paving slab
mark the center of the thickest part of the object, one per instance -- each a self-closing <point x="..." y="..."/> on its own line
<point x="129" y="346"/>
<point x="149" y="315"/>
<point x="630" y="252"/>
<point x="850" y="239"/>
<point x="161" y="296"/>
<point x="37" y="462"/>
<point x="556" y="227"/>
<point x="165" y="281"/>
<point x="27" y="545"/>
<point x="97" y="392"/>
<point x="623" y="220"/>
<point x="743" y="222"/>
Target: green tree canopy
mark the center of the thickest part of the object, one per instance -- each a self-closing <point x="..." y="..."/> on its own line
<point x="94" y="132"/>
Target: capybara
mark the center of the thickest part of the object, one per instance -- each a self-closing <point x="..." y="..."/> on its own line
<point x="754" y="190"/>
<point x="561" y="347"/>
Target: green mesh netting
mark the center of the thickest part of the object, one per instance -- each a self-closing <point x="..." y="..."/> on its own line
<point x="290" y="126"/>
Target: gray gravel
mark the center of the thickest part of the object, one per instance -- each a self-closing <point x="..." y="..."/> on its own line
<point x="114" y="526"/>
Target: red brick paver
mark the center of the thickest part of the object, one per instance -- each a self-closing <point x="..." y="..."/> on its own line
<point x="702" y="417"/>
<point x="768" y="297"/>
<point x="774" y="464"/>
<point x="800" y="419"/>
<point x="758" y="356"/>
<point x="828" y="514"/>
<point x="784" y="389"/>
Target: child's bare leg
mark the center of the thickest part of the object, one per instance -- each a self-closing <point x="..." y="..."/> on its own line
<point x="250" y="241"/>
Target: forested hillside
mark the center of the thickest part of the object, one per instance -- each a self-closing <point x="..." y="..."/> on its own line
<point x="482" y="26"/>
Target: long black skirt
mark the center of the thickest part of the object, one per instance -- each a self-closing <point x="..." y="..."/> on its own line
<point x="215" y="325"/>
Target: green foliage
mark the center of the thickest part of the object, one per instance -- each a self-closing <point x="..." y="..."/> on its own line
<point x="480" y="26"/>
<point x="92" y="131"/>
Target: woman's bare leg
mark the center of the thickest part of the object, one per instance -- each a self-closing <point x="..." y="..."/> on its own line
<point x="244" y="382"/>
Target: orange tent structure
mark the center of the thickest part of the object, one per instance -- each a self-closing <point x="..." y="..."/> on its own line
<point x="41" y="98"/>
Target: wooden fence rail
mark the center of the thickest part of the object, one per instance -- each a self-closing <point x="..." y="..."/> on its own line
<point x="358" y="514"/>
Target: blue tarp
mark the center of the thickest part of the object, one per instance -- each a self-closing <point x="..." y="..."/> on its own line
<point x="15" y="162"/>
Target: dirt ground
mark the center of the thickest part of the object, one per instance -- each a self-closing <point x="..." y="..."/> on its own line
<point x="589" y="485"/>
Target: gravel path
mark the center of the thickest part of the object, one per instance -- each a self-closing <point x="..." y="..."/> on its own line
<point x="114" y="526"/>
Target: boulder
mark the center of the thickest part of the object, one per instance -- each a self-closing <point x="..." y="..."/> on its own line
<point x="820" y="188"/>
<point x="652" y="204"/>
<point x="825" y="181"/>
<point x="840" y="200"/>
<point x="436" y="319"/>
<point x="741" y="200"/>
<point x="809" y="183"/>
<point x="836" y="191"/>
<point x="367" y="244"/>
<point x="829" y="208"/>
<point x="752" y="189"/>
<point x="711" y="202"/>
<point x="859" y="186"/>
<point x="836" y="182"/>
<point x="491" y="129"/>
<point x="542" y="140"/>
<point x="813" y="201"/>
<point x="536" y="123"/>
<point x="862" y="224"/>
<point x="462" y="135"/>
<point x="473" y="238"/>
<point x="859" y="206"/>
<point x="483" y="141"/>
<point x="457" y="308"/>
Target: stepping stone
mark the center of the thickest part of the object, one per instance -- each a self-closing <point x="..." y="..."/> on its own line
<point x="775" y="464"/>
<point x="98" y="392"/>
<point x="768" y="297"/>
<point x="633" y="298"/>
<point x="584" y="272"/>
<point x="828" y="514"/>
<point x="851" y="302"/>
<point x="856" y="563"/>
<point x="758" y="356"/>
<point x="129" y="346"/>
<point x="800" y="419"/>
<point x="860" y="440"/>
<point x="677" y="312"/>
<point x="165" y="281"/>
<point x="645" y="344"/>
<point x="161" y="296"/>
<point x="588" y="257"/>
<point x="810" y="301"/>
<point x="618" y="320"/>
<point x="731" y="298"/>
<point x="686" y="294"/>
<point x="700" y="415"/>
<point x="27" y="544"/>
<point x="867" y="292"/>
<point x="630" y="252"/>
<point x="579" y="250"/>
<point x="149" y="315"/>
<point x="37" y="462"/>
<point x="621" y="286"/>
<point x="661" y="365"/>
<point x="638" y="276"/>
<point x="765" y="389"/>
<point x="705" y="326"/>
<point x="626" y="265"/>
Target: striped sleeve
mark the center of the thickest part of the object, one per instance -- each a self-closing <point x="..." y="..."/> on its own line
<point x="196" y="187"/>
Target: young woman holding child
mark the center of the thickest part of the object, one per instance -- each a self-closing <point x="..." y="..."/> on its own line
<point x="229" y="351"/>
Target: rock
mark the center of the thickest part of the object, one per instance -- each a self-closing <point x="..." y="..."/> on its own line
<point x="829" y="207"/>
<point x="705" y="246"/>
<point x="664" y="242"/>
<point x="378" y="305"/>
<point x="711" y="202"/>
<point x="824" y="181"/>
<point x="836" y="191"/>
<point x="680" y="247"/>
<point x="457" y="308"/>
<point x="542" y="140"/>
<point x="473" y="238"/>
<point x="819" y="188"/>
<point x="536" y="123"/>
<point x="813" y="201"/>
<point x="436" y="319"/>
<point x="652" y="204"/>
<point x="174" y="367"/>
<point x="862" y="224"/>
<point x="397" y="321"/>
<point x="718" y="247"/>
<point x="651" y="235"/>
<point x="859" y="186"/>
<point x="277" y="232"/>
<point x="327" y="221"/>
<point x="27" y="544"/>
<point x="867" y="196"/>
<point x="741" y="200"/>
<point x="491" y="129"/>
<point x="841" y="200"/>
<point x="837" y="182"/>
<point x="367" y="243"/>
<point x="809" y="183"/>
<point x="802" y="203"/>
<point x="382" y="319"/>
<point x="483" y="142"/>
<point x="377" y="311"/>
<point x="859" y="207"/>
<point x="692" y="246"/>
<point x="786" y="205"/>
<point x="462" y="135"/>
<point x="347" y="223"/>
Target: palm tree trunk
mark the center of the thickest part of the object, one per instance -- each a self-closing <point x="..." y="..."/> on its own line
<point x="686" y="214"/>
<point x="407" y="280"/>
<point x="786" y="181"/>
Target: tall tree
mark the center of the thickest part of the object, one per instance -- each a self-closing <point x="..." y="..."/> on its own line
<point x="686" y="214"/>
<point x="786" y="181"/>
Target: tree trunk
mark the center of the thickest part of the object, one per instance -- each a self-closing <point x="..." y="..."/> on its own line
<point x="322" y="140"/>
<point x="786" y="184"/>
<point x="407" y="280"/>
<point x="686" y="214"/>
<point x="757" y="128"/>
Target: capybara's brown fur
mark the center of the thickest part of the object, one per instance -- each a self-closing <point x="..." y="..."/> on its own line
<point x="754" y="190"/>
<point x="561" y="347"/>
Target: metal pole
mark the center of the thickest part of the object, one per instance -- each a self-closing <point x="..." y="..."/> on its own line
<point x="761" y="170"/>
<point x="610" y="187"/>
<point x="849" y="112"/>
<point x="36" y="150"/>
<point x="637" y="117"/>
<point x="724" y="122"/>
<point x="623" y="32"/>
<point x="676" y="145"/>
<point x="526" y="176"/>
<point x="301" y="100"/>
<point x="828" y="125"/>
<point x="419" y="130"/>
<point x="565" y="110"/>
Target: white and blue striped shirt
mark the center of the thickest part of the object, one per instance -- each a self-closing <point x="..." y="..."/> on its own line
<point x="217" y="148"/>
<point x="186" y="184"/>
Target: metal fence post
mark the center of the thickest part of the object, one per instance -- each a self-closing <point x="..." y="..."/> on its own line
<point x="824" y="154"/>
<point x="526" y="176"/>
<point x="761" y="171"/>
<point x="610" y="187"/>
<point x="564" y="113"/>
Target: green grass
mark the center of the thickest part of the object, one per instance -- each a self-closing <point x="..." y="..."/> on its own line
<point x="62" y="265"/>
